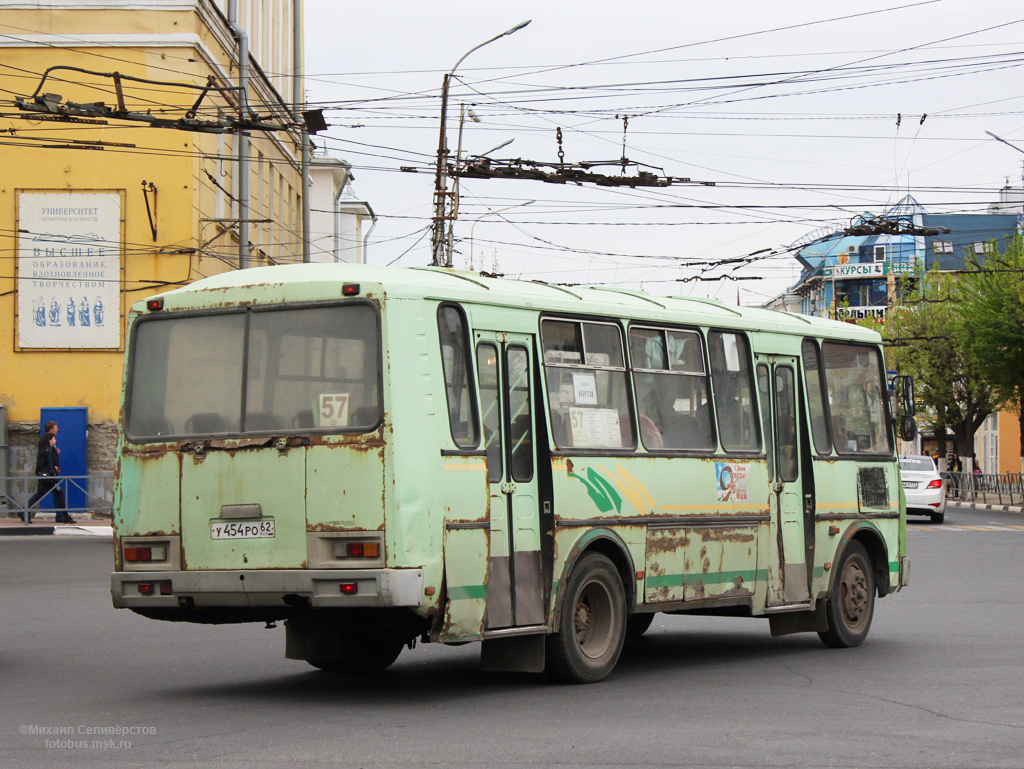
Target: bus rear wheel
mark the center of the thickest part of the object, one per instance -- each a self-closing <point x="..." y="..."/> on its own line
<point x="362" y="654"/>
<point x="851" y="605"/>
<point x="592" y="626"/>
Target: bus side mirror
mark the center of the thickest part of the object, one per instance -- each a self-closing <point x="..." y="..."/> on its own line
<point x="907" y="388"/>
<point x="908" y="428"/>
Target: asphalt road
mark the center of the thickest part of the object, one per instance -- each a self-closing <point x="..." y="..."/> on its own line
<point x="939" y="683"/>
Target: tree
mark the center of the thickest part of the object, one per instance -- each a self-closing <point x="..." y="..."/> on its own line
<point x="928" y="341"/>
<point x="992" y="319"/>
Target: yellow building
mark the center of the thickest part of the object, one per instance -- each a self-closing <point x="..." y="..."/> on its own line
<point x="97" y="211"/>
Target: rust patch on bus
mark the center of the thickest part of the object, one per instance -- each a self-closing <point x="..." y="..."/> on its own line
<point x="665" y="544"/>
<point x="737" y="590"/>
<point x="714" y="534"/>
<point x="235" y="444"/>
<point x="326" y="527"/>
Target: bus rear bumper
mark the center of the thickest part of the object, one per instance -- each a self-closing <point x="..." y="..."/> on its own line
<point x="272" y="588"/>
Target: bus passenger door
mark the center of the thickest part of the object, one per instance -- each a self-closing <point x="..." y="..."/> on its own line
<point x="788" y="578"/>
<point x="514" y="591"/>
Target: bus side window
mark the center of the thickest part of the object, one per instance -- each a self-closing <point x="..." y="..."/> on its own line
<point x="670" y="382"/>
<point x="487" y="376"/>
<point x="585" y="378"/>
<point x="816" y="396"/>
<point x="457" y="362"/>
<point x="734" y="401"/>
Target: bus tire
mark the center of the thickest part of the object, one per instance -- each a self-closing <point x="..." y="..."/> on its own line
<point x="851" y="604"/>
<point x="637" y="624"/>
<point x="362" y="654"/>
<point x="592" y="625"/>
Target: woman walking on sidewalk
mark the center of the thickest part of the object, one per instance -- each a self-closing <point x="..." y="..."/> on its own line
<point x="47" y="471"/>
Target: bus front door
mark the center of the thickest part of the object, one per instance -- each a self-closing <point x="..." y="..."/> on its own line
<point x="514" y="593"/>
<point x="788" y="575"/>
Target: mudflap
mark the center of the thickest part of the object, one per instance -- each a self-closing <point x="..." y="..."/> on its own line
<point x="800" y="621"/>
<point x="516" y="654"/>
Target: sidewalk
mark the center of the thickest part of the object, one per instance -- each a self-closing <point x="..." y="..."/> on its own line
<point x="43" y="525"/>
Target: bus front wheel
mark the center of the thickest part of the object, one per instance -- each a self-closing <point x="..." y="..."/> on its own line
<point x="637" y="624"/>
<point x="592" y="626"/>
<point x="851" y="605"/>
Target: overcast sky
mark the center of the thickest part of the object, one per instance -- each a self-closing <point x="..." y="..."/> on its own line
<point x="803" y="114"/>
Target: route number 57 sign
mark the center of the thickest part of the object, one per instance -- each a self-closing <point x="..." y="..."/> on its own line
<point x="334" y="410"/>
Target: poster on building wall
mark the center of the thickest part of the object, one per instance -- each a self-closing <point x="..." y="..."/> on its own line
<point x="69" y="270"/>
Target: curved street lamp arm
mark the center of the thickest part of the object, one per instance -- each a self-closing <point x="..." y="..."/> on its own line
<point x="437" y="239"/>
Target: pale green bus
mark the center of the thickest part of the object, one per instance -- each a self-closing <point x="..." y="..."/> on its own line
<point x="384" y="455"/>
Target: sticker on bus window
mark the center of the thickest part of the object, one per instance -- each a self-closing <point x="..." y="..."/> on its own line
<point x="333" y="410"/>
<point x="585" y="388"/>
<point x="731" y="482"/>
<point x="595" y="428"/>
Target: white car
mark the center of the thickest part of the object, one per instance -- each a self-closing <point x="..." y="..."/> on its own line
<point x="923" y="487"/>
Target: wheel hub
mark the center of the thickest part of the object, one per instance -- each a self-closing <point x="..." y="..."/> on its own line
<point x="854" y="590"/>
<point x="582" y="619"/>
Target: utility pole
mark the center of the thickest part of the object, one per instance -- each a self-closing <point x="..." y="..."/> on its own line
<point x="298" y="101"/>
<point x="439" y="257"/>
<point x="241" y="137"/>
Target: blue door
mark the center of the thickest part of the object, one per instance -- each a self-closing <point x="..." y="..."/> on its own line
<point x="72" y="424"/>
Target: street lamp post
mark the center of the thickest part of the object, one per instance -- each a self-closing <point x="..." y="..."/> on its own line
<point x="437" y="241"/>
<point x="450" y="238"/>
<point x="497" y="211"/>
<point x="1000" y="139"/>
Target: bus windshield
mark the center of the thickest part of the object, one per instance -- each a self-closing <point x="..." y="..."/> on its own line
<point x="295" y="369"/>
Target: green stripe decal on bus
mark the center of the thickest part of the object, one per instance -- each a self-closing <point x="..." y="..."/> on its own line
<point x="462" y="592"/>
<point x="711" y="578"/>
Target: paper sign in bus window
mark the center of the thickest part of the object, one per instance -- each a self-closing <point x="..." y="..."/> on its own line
<point x="595" y="428"/>
<point x="585" y="386"/>
<point x="333" y="410"/>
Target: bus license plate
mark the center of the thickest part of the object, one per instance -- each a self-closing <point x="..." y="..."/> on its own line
<point x="242" y="529"/>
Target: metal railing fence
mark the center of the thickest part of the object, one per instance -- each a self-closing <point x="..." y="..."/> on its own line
<point x="987" y="488"/>
<point x="98" y="489"/>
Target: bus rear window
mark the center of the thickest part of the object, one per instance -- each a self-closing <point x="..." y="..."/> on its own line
<point x="295" y="369"/>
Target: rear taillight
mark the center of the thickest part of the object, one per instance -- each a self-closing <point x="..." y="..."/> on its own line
<point x="357" y="549"/>
<point x="936" y="484"/>
<point x="145" y="553"/>
<point x="151" y="588"/>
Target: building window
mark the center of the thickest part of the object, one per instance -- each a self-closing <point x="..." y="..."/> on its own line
<point x="879" y="253"/>
<point x="942" y="246"/>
